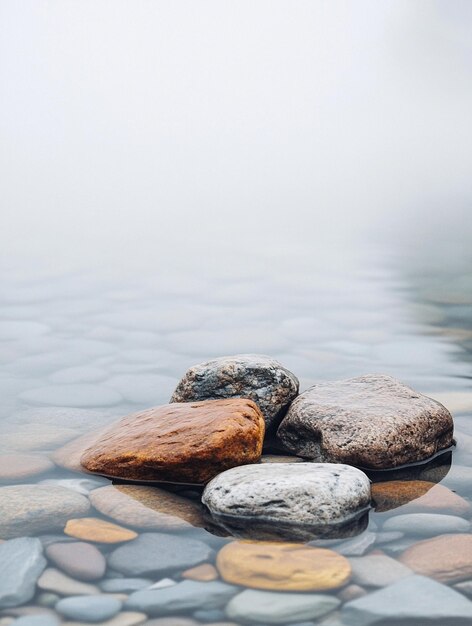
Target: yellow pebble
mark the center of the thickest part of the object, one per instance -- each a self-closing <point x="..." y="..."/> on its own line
<point x="95" y="529"/>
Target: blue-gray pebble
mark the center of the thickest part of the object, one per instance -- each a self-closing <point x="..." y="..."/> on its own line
<point x="88" y="608"/>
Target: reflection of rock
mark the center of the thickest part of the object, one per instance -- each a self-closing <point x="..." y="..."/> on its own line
<point x="147" y="507"/>
<point x="372" y="421"/>
<point x="418" y="495"/>
<point x="282" y="566"/>
<point x="259" y="378"/>
<point x="186" y="443"/>
<point x="445" y="558"/>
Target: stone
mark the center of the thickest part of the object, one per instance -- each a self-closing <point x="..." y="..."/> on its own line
<point x="183" y="443"/>
<point x="68" y="456"/>
<point x="204" y="573"/>
<point x="124" y="618"/>
<point x="96" y="608"/>
<point x="21" y="562"/>
<point x="158" y="553"/>
<point x="372" y="421"/>
<point x="162" y="583"/>
<point x="172" y="621"/>
<point x="427" y="524"/>
<point x="446" y="558"/>
<point x="418" y="495"/>
<point x="318" y="495"/>
<point x="377" y="570"/>
<point x="282" y="566"/>
<point x="351" y="592"/>
<point x="465" y="588"/>
<point x="259" y="378"/>
<point x="31" y="509"/>
<point x="415" y="598"/>
<point x="80" y="485"/>
<point x="20" y="467"/>
<point x="47" y="599"/>
<point x="267" y="607"/>
<point x="358" y="545"/>
<point x="78" y="559"/>
<point x="281" y="458"/>
<point x="124" y="585"/>
<point x="37" y="620"/>
<point x="35" y="437"/>
<point x="188" y="595"/>
<point x="57" y="582"/>
<point x="148" y="508"/>
<point x="98" y="530"/>
<point x="212" y="615"/>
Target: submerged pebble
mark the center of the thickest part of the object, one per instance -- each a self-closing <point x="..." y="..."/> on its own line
<point x="78" y="559"/>
<point x="21" y="563"/>
<point x="96" y="608"/>
<point x="427" y="524"/>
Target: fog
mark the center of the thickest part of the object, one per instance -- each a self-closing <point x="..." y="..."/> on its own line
<point x="135" y="133"/>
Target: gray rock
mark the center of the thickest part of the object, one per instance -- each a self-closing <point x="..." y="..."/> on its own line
<point x="372" y="421"/>
<point x="158" y="553"/>
<point x="267" y="607"/>
<point x="80" y="560"/>
<point x="89" y="608"/>
<point x="189" y="595"/>
<point x="311" y="494"/>
<point x="124" y="585"/>
<point x="31" y="509"/>
<point x="465" y="587"/>
<point x="21" y="563"/>
<point x="427" y="524"/>
<point x="377" y="570"/>
<point x="388" y="537"/>
<point x="37" y="620"/>
<point x="357" y="546"/>
<point x="211" y="615"/>
<point x="414" y="598"/>
<point x="257" y="377"/>
<point x="58" y="582"/>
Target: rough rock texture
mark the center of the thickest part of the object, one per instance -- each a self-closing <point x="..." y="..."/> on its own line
<point x="31" y="509"/>
<point x="145" y="507"/>
<point x="78" y="559"/>
<point x="186" y="443"/>
<point x="413" y="600"/>
<point x="418" y="495"/>
<point x="282" y="566"/>
<point x="21" y="562"/>
<point x="446" y="558"/>
<point x="372" y="421"/>
<point x="257" y="377"/>
<point x="308" y="494"/>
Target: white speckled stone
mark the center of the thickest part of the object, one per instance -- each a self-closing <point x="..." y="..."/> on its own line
<point x="313" y="494"/>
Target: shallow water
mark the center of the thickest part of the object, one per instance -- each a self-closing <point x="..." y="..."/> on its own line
<point x="80" y="349"/>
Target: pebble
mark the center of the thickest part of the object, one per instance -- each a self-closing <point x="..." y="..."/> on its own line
<point x="124" y="618"/>
<point x="32" y="509"/>
<point x="78" y="395"/>
<point x="260" y="378"/>
<point x="172" y="621"/>
<point x="351" y="592"/>
<point x="163" y="583"/>
<point x="372" y="421"/>
<point x="80" y="485"/>
<point x="20" y="467"/>
<point x="58" y="582"/>
<point x="96" y="608"/>
<point x="212" y="615"/>
<point x="148" y="508"/>
<point x="266" y="607"/>
<point x="22" y="562"/>
<point x="377" y="570"/>
<point x="418" y="495"/>
<point x="98" y="530"/>
<point x="188" y="595"/>
<point x="47" y="599"/>
<point x="281" y="458"/>
<point x="36" y="437"/>
<point x="158" y="553"/>
<point x="357" y="546"/>
<point x="446" y="558"/>
<point x="205" y="573"/>
<point x="124" y="585"/>
<point x="37" y="620"/>
<point x="415" y="598"/>
<point x="427" y="524"/>
<point x="69" y="455"/>
<point x="387" y="537"/>
<point x="465" y="587"/>
<point x="282" y="566"/>
<point x="78" y="559"/>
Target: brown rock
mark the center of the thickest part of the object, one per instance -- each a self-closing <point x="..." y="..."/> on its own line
<point x="18" y="467"/>
<point x="204" y="572"/>
<point x="447" y="558"/>
<point x="418" y="495"/>
<point x="145" y="507"/>
<point x="186" y="443"/>
<point x="98" y="530"/>
<point x="282" y="566"/>
<point x="78" y="559"/>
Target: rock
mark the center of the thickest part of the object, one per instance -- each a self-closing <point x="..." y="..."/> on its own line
<point x="372" y="421"/>
<point x="357" y="546"/>
<point x="415" y="598"/>
<point x="281" y="458"/>
<point x="78" y="559"/>
<point x="96" y="529"/>
<point x="69" y="455"/>
<point x="37" y="620"/>
<point x="145" y="507"/>
<point x="427" y="524"/>
<point x="124" y="618"/>
<point x="21" y="562"/>
<point x="183" y="443"/>
<point x="282" y="566"/>
<point x="259" y="378"/>
<point x="465" y="588"/>
<point x="19" y="467"/>
<point x="55" y="581"/>
<point x="188" y="595"/>
<point x="445" y="558"/>
<point x="80" y="485"/>
<point x="88" y="608"/>
<point x="418" y="495"/>
<point x="162" y="583"/>
<point x="158" y="553"/>
<point x="351" y="592"/>
<point x="35" y="437"/>
<point x="266" y="607"/>
<point x="172" y="621"/>
<point x="31" y="509"/>
<point x="387" y="537"/>
<point x="47" y="599"/>
<point x="124" y="585"/>
<point x="377" y="570"/>
<point x="212" y="615"/>
<point x="204" y="573"/>
<point x="289" y="494"/>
